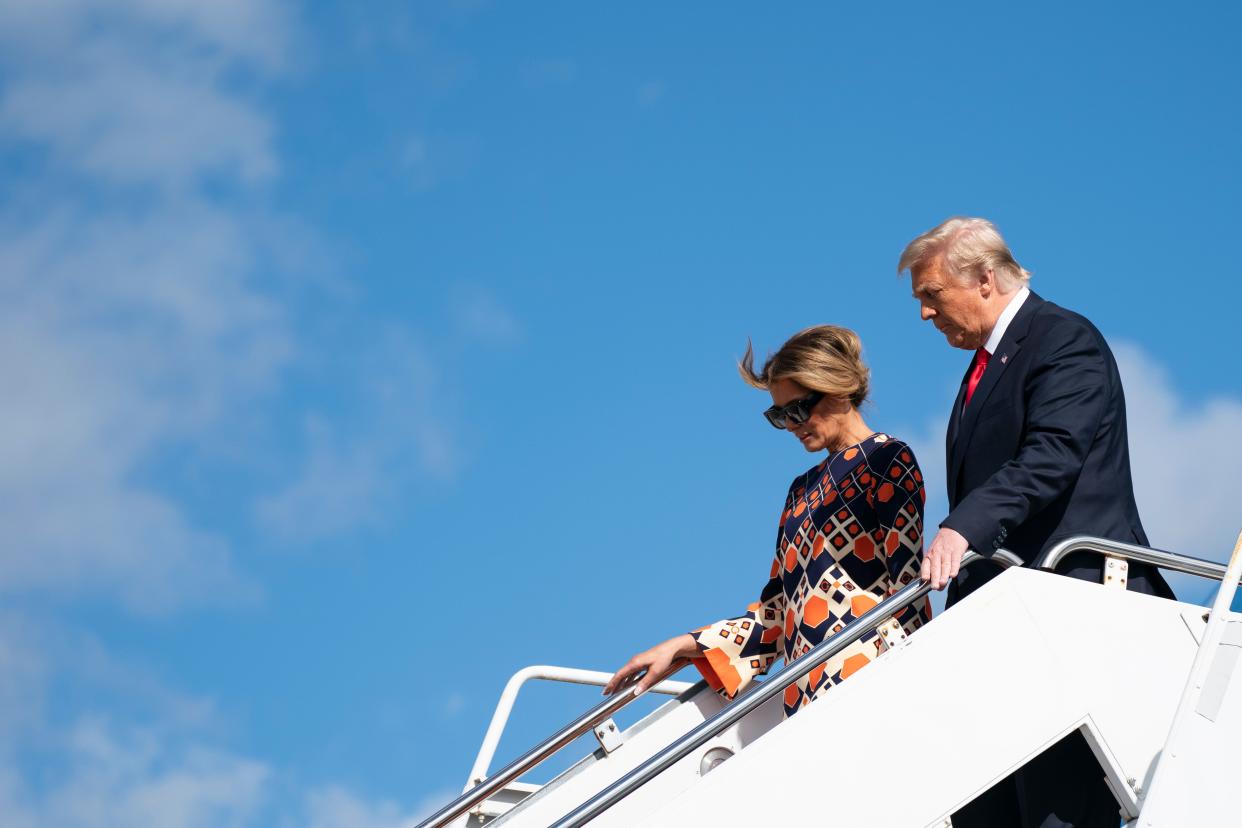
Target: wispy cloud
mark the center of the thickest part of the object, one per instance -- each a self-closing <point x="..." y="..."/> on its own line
<point x="139" y="91"/>
<point x="454" y="704"/>
<point x="256" y="30"/>
<point x="135" y="758"/>
<point x="335" y="807"/>
<point x="142" y="319"/>
<point x="140" y="753"/>
<point x="430" y="160"/>
<point x="132" y="315"/>
<point x="338" y="488"/>
<point x="115" y="777"/>
<point x="1184" y="455"/>
<point x="398" y="428"/>
<point x="435" y="66"/>
<point x="481" y="316"/>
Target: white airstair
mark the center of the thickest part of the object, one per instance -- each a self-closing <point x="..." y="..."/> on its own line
<point x="929" y="725"/>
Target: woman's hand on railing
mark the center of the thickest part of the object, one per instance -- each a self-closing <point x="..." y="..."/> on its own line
<point x="655" y="662"/>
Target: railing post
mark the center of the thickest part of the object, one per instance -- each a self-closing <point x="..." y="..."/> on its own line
<point x="584" y="723"/>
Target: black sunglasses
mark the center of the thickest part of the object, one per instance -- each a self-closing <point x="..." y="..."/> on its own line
<point x="796" y="412"/>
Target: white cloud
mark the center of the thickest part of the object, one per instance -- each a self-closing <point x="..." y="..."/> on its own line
<point x="124" y="121"/>
<point x="130" y="323"/>
<point x="335" y="807"/>
<point x="432" y="802"/>
<point x="124" y="777"/>
<point x="454" y="704"/>
<point x="255" y="30"/>
<point x="481" y="316"/>
<point x="138" y="322"/>
<point x="108" y="769"/>
<point x="356" y="466"/>
<point x="137" y="92"/>
<point x="339" y="488"/>
<point x="431" y="160"/>
<point x="119" y="335"/>
<point x="141" y="754"/>
<point x="118" y="776"/>
<point x="1184" y="456"/>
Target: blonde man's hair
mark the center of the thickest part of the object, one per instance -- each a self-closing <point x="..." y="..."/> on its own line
<point x="825" y="358"/>
<point x="969" y="247"/>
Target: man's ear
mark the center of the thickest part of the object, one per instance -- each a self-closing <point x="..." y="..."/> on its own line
<point x="987" y="283"/>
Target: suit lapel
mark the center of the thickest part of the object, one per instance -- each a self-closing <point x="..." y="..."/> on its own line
<point x="1008" y="348"/>
<point x="955" y="424"/>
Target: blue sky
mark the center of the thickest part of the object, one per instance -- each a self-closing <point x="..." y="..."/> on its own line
<point x="358" y="355"/>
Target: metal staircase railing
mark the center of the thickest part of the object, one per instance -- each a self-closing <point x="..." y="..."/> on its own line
<point x="767" y="690"/>
<point x="568" y="675"/>
<point x="775" y="685"/>
<point x="533" y="757"/>
<point x="1116" y="549"/>
<point x="683" y="747"/>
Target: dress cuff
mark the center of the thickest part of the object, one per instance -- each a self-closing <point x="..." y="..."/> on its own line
<point x="718" y="670"/>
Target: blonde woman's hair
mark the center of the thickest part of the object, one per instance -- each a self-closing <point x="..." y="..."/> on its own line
<point x="825" y="358"/>
<point x="970" y="247"/>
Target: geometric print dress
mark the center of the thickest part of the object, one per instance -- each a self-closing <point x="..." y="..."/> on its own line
<point x="850" y="535"/>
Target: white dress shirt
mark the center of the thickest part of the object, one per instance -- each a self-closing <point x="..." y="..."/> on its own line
<point x="1007" y="315"/>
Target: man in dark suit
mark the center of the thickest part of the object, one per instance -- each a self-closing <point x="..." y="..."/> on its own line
<point x="1037" y="452"/>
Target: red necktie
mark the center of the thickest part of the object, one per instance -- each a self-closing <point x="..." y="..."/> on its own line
<point x="981" y="365"/>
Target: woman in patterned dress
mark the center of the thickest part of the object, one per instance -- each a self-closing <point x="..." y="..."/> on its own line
<point x="850" y="535"/>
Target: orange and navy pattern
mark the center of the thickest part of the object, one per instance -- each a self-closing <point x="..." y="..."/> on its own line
<point x="850" y="536"/>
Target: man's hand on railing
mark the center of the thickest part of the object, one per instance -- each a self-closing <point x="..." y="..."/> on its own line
<point x="655" y="661"/>
<point x="943" y="558"/>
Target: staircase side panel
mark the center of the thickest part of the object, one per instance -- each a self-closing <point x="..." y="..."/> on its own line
<point x="1199" y="781"/>
<point x="973" y="695"/>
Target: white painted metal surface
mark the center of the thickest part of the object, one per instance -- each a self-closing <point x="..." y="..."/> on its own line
<point x="965" y="701"/>
<point x="499" y="803"/>
<point x="515" y="792"/>
<point x="944" y="714"/>
<point x="1197" y="773"/>
<point x="508" y="697"/>
<point x="670" y="721"/>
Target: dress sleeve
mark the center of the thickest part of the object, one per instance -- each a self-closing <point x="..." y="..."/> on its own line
<point x="899" y="499"/>
<point x="733" y="651"/>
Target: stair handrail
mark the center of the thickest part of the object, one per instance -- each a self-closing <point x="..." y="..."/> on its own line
<point x="748" y="702"/>
<point x="1142" y="554"/>
<point x="544" y="672"/>
<point x="510" y="772"/>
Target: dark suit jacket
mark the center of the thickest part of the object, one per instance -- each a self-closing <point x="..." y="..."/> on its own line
<point x="1041" y="453"/>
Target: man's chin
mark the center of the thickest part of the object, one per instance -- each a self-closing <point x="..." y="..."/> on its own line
<point x="960" y="341"/>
